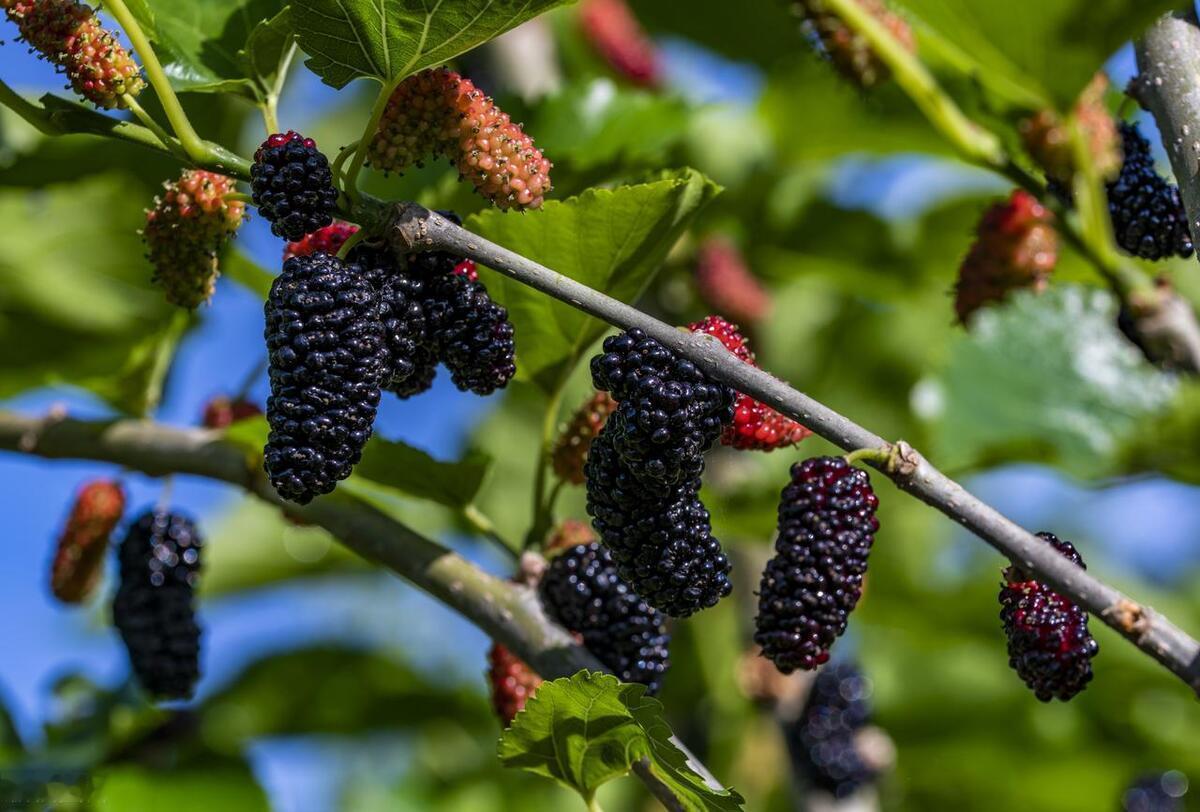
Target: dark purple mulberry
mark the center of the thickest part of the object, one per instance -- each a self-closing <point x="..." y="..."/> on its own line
<point x="1147" y="213"/>
<point x="822" y="741"/>
<point x="582" y="591"/>
<point x="292" y="185"/>
<point x="826" y="527"/>
<point x="153" y="610"/>
<point x="328" y="359"/>
<point x="1049" y="645"/>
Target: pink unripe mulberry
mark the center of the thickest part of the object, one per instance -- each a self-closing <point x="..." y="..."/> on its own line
<point x="79" y="557"/>
<point x="613" y="30"/>
<point x="185" y="231"/>
<point x="438" y="112"/>
<point x="68" y="34"/>
<point x="726" y="284"/>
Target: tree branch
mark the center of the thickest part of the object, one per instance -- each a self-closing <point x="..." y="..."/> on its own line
<point x="509" y="613"/>
<point x="414" y="227"/>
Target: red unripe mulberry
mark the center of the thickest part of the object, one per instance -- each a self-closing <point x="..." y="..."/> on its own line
<point x="79" y="557"/>
<point x="68" y="34"/>
<point x="512" y="681"/>
<point x="755" y="425"/>
<point x="613" y="30"/>
<point x="1015" y="246"/>
<point x="439" y="112"/>
<point x="328" y="240"/>
<point x="221" y="411"/>
<point x="726" y="284"/>
<point x="1047" y="137"/>
<point x="848" y="50"/>
<point x="185" y="232"/>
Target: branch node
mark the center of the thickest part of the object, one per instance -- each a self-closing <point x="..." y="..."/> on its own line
<point x="531" y="569"/>
<point x="408" y="229"/>
<point x="1131" y="618"/>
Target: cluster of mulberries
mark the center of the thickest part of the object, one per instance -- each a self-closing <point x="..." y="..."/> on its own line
<point x="726" y="284"/>
<point x="1156" y="792"/>
<point x="1147" y="213"/>
<point x="292" y="185"/>
<point x="79" y="556"/>
<point x="827" y="525"/>
<point x="327" y="240"/>
<point x="822" y="741"/>
<point x="153" y="609"/>
<point x="185" y="232"/>
<point x="1049" y="645"/>
<point x="613" y="30"/>
<point x="643" y="473"/>
<point x="582" y="591"/>
<point x="1047" y="138"/>
<point x="512" y="682"/>
<point x="849" y="51"/>
<point x="328" y="360"/>
<point x="756" y="426"/>
<point x="1015" y="247"/>
<point x="571" y="448"/>
<point x="68" y="34"/>
<point x="223" y="411"/>
<point x="439" y="112"/>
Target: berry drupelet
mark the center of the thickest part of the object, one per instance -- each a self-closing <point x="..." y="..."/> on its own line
<point x="292" y="185"/>
<point x="1049" y="645"/>
<point x="1147" y="213"/>
<point x="79" y="556"/>
<point x="153" y="609"/>
<point x="328" y="359"/>
<point x="822" y="741"/>
<point x="582" y="591"/>
<point x="827" y="525"/>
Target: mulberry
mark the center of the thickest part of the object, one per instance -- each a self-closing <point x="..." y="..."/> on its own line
<point x="185" y="232"/>
<point x="1015" y="247"/>
<point x="439" y="112"/>
<point x="68" y="34"/>
<point x="660" y="538"/>
<point x="822" y="740"/>
<point x="1147" y="213"/>
<point x="1047" y="137"/>
<point x="826" y="527"/>
<point x="327" y="240"/>
<point x="153" y="611"/>
<point x="328" y="358"/>
<point x="582" y="591"/>
<point x="1161" y="792"/>
<point x="570" y="450"/>
<point x="726" y="284"/>
<point x="1049" y="645"/>
<point x="222" y="412"/>
<point x="79" y="557"/>
<point x="755" y="426"/>
<point x="472" y="334"/>
<point x="849" y="51"/>
<point x="292" y="185"/>
<point x="512" y="681"/>
<point x="670" y="413"/>
<point x="615" y="33"/>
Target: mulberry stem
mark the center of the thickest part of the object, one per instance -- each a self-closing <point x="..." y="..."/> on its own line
<point x="150" y="124"/>
<point x="364" y="143"/>
<point x="543" y="504"/>
<point x="192" y="143"/>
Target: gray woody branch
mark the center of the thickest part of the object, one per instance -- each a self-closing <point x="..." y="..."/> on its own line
<point x="510" y="613"/>
<point x="1168" y="85"/>
<point x="415" y="228"/>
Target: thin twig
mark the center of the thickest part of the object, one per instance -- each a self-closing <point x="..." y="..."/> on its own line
<point x="416" y="228"/>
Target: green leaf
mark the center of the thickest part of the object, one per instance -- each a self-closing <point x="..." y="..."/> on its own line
<point x="390" y="39"/>
<point x="202" y="789"/>
<point x="240" y="268"/>
<point x="395" y="466"/>
<point x="1046" y="376"/>
<point x="612" y="240"/>
<point x="137" y="386"/>
<point x="1053" y="45"/>
<point x="587" y="729"/>
<point x="217" y="46"/>
<point x="1170" y="444"/>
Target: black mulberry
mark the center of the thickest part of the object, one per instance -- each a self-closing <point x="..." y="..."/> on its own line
<point x="328" y="359"/>
<point x="822" y="740"/>
<point x="1049" y="645"/>
<point x="471" y="333"/>
<point x="661" y="539"/>
<point x="826" y="527"/>
<point x="153" y="610"/>
<point x="582" y="590"/>
<point x="292" y="185"/>
<point x="1147" y="213"/>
